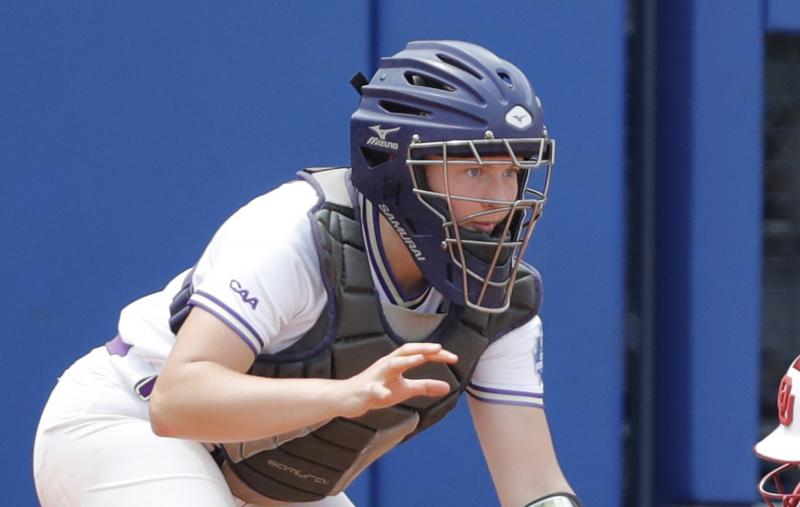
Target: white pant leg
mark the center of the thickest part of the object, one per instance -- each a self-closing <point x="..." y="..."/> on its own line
<point x="94" y="447"/>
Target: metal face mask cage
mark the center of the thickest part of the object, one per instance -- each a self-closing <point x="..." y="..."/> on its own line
<point x="781" y="496"/>
<point x="489" y="260"/>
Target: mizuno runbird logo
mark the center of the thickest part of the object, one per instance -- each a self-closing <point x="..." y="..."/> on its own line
<point x="519" y="117"/>
<point x="381" y="139"/>
<point x="383" y="132"/>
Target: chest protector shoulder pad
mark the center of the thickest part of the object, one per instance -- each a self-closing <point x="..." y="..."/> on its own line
<point x="350" y="334"/>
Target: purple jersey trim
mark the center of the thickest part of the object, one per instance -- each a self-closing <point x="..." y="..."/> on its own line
<point x="226" y="321"/>
<point x="233" y="314"/>
<point x="505" y="391"/>
<point x="144" y="387"/>
<point x="117" y="346"/>
<point x="371" y="254"/>
<point x="507" y="402"/>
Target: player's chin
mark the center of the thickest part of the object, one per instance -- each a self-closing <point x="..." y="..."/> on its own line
<point x="480" y="227"/>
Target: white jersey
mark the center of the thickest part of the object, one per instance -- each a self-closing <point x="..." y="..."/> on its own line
<point x="260" y="274"/>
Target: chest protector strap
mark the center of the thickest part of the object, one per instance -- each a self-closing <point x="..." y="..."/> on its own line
<point x="350" y="334"/>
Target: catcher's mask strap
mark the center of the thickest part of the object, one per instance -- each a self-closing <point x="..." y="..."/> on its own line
<point x="358" y="81"/>
<point x="557" y="500"/>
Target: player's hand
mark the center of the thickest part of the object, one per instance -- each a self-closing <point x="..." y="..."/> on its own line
<point x="383" y="384"/>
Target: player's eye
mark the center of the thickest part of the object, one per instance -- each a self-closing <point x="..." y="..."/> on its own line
<point x="473" y="171"/>
<point x="512" y="171"/>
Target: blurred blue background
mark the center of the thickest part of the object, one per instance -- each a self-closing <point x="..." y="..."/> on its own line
<point x="130" y="130"/>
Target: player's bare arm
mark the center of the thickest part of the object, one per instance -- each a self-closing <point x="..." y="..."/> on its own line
<point x="204" y="394"/>
<point x="519" y="452"/>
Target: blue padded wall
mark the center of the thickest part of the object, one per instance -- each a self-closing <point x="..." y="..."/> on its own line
<point x="709" y="264"/>
<point x="573" y="53"/>
<point x="783" y="15"/>
<point x="129" y="131"/>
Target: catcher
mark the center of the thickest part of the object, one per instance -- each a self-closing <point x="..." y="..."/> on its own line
<point x="337" y="316"/>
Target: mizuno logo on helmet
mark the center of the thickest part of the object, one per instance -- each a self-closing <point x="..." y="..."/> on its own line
<point x="415" y="251"/>
<point x="383" y="132"/>
<point x="381" y="139"/>
<point x="519" y="117"/>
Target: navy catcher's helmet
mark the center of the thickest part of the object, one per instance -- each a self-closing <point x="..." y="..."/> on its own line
<point x="447" y="103"/>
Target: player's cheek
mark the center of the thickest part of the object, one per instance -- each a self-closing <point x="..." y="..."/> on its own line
<point x="465" y="209"/>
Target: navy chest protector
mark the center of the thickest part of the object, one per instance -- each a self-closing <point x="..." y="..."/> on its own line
<point x="353" y="331"/>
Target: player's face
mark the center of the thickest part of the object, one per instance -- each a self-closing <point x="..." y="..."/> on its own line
<point x="489" y="182"/>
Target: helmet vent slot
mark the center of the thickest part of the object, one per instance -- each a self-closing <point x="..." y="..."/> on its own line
<point x="396" y="107"/>
<point x="418" y="79"/>
<point x="505" y="77"/>
<point x="375" y="157"/>
<point x="459" y="65"/>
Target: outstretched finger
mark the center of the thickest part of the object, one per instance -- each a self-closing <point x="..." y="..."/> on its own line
<point x="398" y="365"/>
<point x="431" y="351"/>
<point x="408" y="349"/>
<point x="427" y="387"/>
<point x="443" y="356"/>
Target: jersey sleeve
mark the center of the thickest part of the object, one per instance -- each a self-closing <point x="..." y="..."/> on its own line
<point x="510" y="370"/>
<point x="259" y="274"/>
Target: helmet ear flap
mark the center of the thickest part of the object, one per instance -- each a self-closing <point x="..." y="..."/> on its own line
<point x="374" y="157"/>
<point x="391" y="191"/>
